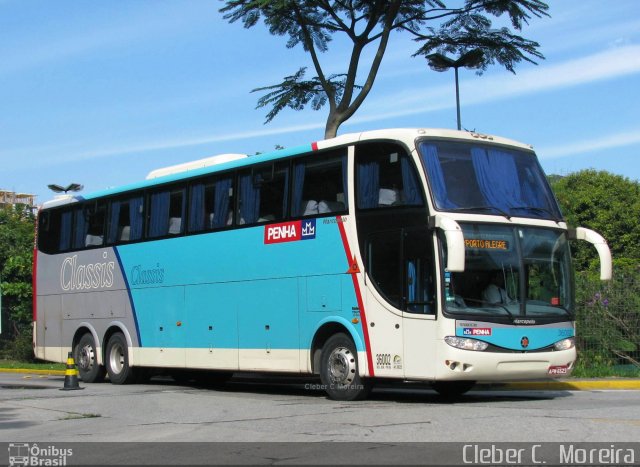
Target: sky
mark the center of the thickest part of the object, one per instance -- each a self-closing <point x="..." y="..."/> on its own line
<point x="101" y="93"/>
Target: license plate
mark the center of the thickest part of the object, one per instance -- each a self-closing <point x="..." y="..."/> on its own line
<point x="558" y="370"/>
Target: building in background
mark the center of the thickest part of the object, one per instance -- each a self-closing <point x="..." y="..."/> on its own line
<point x="10" y="198"/>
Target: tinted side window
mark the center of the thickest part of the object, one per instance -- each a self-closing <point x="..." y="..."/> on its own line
<point x="126" y="220"/>
<point x="263" y="195"/>
<point x="210" y="204"/>
<point x="89" y="225"/>
<point x="384" y="266"/>
<point x="319" y="185"/>
<point x="419" y="270"/>
<point x="166" y="213"/>
<point x="49" y="231"/>
<point x="66" y="230"/>
<point x="385" y="177"/>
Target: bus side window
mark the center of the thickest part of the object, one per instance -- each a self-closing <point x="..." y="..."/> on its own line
<point x="319" y="185"/>
<point x="384" y="266"/>
<point x="126" y="220"/>
<point x="209" y="204"/>
<point x="386" y="177"/>
<point x="166" y="216"/>
<point x="49" y="231"/>
<point x="419" y="270"/>
<point x="66" y="230"/>
<point x="263" y="194"/>
<point x="88" y="225"/>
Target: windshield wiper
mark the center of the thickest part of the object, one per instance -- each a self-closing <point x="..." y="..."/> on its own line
<point x="505" y="309"/>
<point x="539" y="209"/>
<point x="567" y="312"/>
<point x="481" y="208"/>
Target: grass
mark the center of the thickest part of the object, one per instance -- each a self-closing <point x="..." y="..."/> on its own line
<point x="13" y="364"/>
<point x="607" y="371"/>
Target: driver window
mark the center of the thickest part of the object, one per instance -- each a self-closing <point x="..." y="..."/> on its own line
<point x="419" y="277"/>
<point x="400" y="264"/>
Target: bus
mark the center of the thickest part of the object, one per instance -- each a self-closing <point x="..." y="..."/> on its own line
<point x="425" y="255"/>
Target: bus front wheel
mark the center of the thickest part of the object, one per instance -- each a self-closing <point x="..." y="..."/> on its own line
<point x="117" y="360"/>
<point x="85" y="358"/>
<point x="339" y="370"/>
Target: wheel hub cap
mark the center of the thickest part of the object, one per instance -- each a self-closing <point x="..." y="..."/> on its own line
<point x="342" y="366"/>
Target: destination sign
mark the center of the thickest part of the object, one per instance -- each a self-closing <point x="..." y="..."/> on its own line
<point x="486" y="244"/>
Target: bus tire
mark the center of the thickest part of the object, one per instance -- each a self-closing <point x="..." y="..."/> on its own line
<point x="85" y="357"/>
<point x="339" y="370"/>
<point x="452" y="389"/>
<point x="117" y="360"/>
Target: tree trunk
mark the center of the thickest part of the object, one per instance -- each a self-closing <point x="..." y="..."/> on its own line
<point x="333" y="123"/>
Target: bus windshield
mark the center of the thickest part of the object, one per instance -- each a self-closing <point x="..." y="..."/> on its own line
<point x="513" y="272"/>
<point x="486" y="179"/>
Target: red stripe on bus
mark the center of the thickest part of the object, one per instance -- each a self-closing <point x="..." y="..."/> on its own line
<point x="356" y="286"/>
<point x="314" y="146"/>
<point x="34" y="271"/>
<point x="34" y="277"/>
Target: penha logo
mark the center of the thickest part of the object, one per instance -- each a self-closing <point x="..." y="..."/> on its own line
<point x="308" y="229"/>
<point x="74" y="276"/>
<point x="290" y="231"/>
<point x="476" y="331"/>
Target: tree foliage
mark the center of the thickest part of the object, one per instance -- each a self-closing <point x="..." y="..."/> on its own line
<point x="608" y="313"/>
<point x="433" y="24"/>
<point x="606" y="203"/>
<point x="16" y="257"/>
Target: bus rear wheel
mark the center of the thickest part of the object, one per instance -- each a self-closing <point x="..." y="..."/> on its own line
<point x="339" y="370"/>
<point x="86" y="359"/>
<point x="117" y="360"/>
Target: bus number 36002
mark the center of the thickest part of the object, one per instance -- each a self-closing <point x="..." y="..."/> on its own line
<point x="383" y="359"/>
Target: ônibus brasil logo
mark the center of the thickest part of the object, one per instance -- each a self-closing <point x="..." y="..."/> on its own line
<point x="26" y="454"/>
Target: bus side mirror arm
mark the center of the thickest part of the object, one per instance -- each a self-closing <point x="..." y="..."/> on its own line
<point x="455" y="241"/>
<point x="606" y="266"/>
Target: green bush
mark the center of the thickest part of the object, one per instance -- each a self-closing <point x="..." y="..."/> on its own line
<point x="608" y="320"/>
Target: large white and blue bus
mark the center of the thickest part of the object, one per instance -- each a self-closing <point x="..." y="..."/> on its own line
<point x="407" y="254"/>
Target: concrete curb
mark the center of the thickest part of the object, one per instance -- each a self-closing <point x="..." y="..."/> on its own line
<point x="573" y="385"/>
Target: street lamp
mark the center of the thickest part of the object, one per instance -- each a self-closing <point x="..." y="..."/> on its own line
<point x="471" y="59"/>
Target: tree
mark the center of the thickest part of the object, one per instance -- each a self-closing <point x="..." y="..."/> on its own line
<point x="436" y="27"/>
<point x="608" y="316"/>
<point x="606" y="203"/>
<point x="16" y="255"/>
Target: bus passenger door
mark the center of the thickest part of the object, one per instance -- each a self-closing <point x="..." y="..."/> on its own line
<point x="383" y="301"/>
<point x="419" y="303"/>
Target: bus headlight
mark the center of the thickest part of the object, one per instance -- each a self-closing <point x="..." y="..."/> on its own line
<point x="465" y="343"/>
<point x="565" y="344"/>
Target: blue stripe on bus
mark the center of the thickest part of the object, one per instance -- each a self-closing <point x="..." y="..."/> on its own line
<point x="537" y="337"/>
<point x="131" y="303"/>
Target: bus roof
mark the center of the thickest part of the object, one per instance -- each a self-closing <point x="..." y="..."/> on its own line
<point x="233" y="161"/>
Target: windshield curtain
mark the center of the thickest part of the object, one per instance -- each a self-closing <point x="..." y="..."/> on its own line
<point x="512" y="271"/>
<point x="487" y="179"/>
